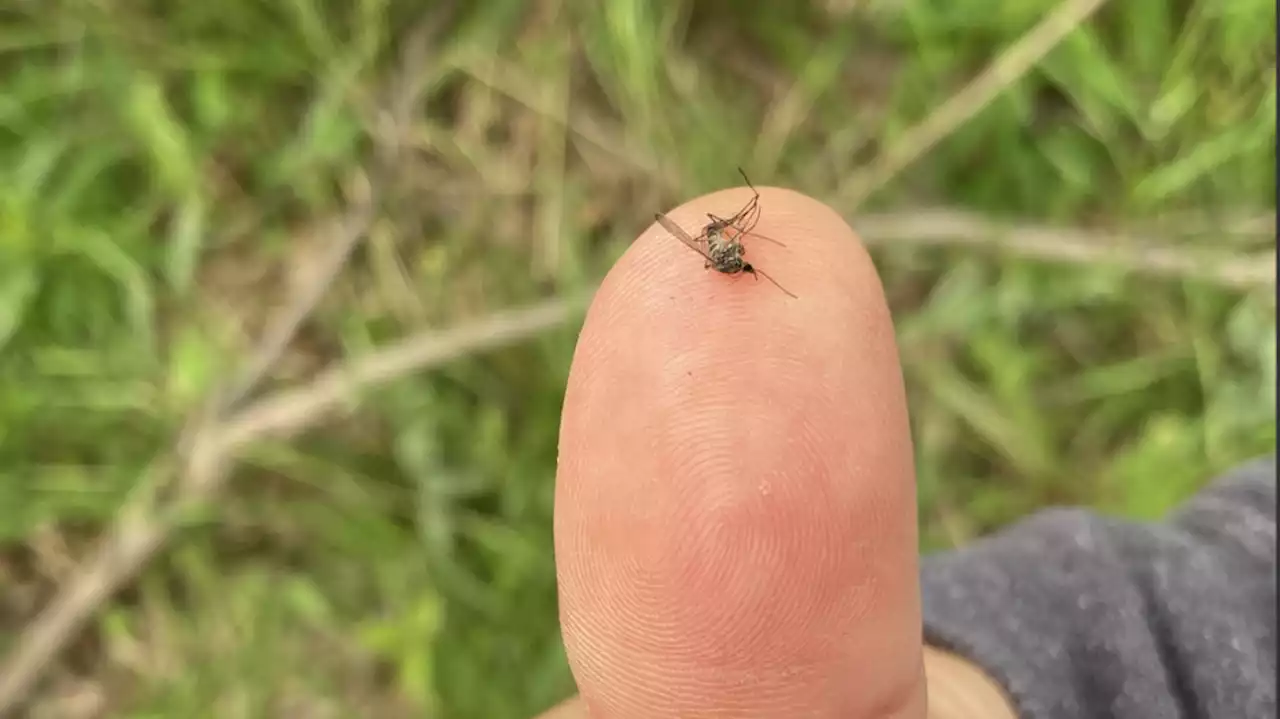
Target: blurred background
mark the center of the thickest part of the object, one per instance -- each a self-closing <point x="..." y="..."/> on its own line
<point x="1079" y="253"/>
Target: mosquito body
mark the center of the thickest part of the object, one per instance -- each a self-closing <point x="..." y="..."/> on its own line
<point x="720" y="242"/>
<point x="725" y="253"/>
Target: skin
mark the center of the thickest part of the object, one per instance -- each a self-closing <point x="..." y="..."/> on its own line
<point x="735" y="527"/>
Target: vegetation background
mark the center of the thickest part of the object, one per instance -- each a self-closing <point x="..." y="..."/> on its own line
<point x="1079" y="255"/>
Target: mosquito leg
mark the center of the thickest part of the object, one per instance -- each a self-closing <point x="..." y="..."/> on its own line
<point x="763" y="237"/>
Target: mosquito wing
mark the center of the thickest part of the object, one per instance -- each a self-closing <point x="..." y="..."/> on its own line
<point x="680" y="234"/>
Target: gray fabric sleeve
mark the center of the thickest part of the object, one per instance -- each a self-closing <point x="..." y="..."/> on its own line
<point x="1079" y="615"/>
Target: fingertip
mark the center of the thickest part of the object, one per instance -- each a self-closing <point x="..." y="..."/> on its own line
<point x="735" y="508"/>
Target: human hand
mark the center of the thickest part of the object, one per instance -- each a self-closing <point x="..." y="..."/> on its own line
<point x="735" y="526"/>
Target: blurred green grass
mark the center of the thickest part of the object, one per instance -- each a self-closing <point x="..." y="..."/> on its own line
<point x="164" y="168"/>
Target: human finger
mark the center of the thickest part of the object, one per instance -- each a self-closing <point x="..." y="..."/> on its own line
<point x="735" y="523"/>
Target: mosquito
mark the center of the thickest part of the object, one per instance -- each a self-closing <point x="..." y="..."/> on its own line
<point x="724" y="252"/>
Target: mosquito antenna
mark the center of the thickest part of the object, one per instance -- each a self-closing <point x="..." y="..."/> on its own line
<point x="758" y="272"/>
